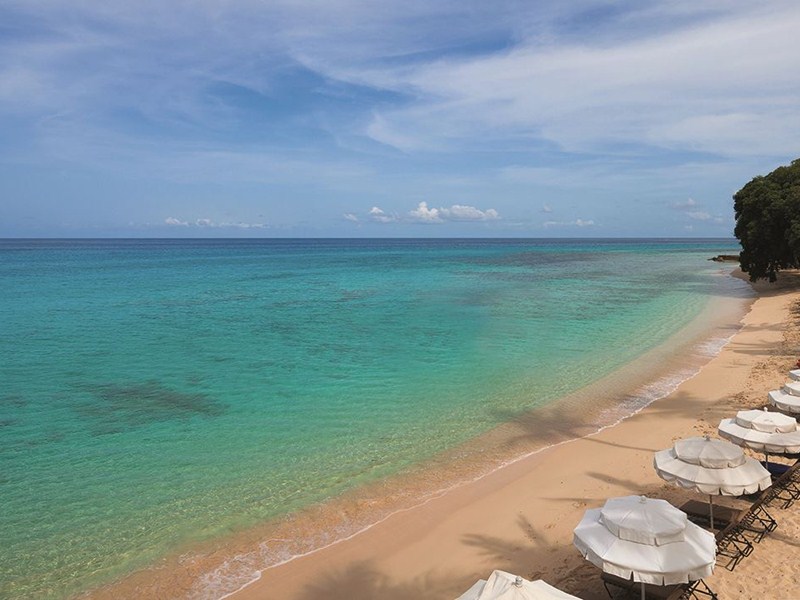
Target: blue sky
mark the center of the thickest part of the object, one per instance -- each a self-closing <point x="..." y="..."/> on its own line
<point x="375" y="118"/>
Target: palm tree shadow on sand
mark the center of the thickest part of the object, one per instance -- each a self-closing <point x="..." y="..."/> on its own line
<point x="363" y="580"/>
<point x="559" y="565"/>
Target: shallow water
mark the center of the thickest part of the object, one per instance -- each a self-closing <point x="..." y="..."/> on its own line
<point x="157" y="393"/>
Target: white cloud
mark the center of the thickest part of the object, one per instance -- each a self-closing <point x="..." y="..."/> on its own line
<point x="208" y="223"/>
<point x="428" y="214"/>
<point x="679" y="88"/>
<point x="423" y="214"/>
<point x="663" y="74"/>
<point x="696" y="212"/>
<point x="170" y="98"/>
<point x="688" y="204"/>
<point x="350" y="217"/>
<point x="240" y="225"/>
<point x="698" y="215"/>
<point x="459" y="212"/>
<point x="575" y="223"/>
<point x="377" y="215"/>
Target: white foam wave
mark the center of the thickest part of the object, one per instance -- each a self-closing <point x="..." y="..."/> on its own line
<point x="714" y="346"/>
<point x="664" y="386"/>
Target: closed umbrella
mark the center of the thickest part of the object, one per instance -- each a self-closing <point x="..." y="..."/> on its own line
<point x="646" y="540"/>
<point x="505" y="586"/>
<point x="713" y="467"/>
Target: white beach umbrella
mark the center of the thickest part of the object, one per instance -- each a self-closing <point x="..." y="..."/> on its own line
<point x="788" y="397"/>
<point x="646" y="540"/>
<point x="794" y="374"/>
<point x="768" y="432"/>
<point x="505" y="586"/>
<point x="713" y="467"/>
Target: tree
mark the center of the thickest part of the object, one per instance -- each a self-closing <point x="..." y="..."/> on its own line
<point x="768" y="222"/>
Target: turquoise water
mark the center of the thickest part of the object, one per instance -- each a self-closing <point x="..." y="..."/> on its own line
<point x="158" y="392"/>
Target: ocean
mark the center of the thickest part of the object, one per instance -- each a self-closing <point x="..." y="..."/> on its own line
<point x="159" y="394"/>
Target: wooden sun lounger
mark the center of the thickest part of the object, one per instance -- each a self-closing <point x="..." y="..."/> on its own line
<point x="757" y="520"/>
<point x="700" y="512"/>
<point x="627" y="588"/>
<point x="785" y="486"/>
<point x="735" y="526"/>
<point x="732" y="545"/>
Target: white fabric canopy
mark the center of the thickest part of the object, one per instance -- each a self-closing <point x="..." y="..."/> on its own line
<point x="785" y="399"/>
<point x="792" y="387"/>
<point x="672" y="549"/>
<point x="768" y="422"/>
<point x="770" y="432"/>
<point x="474" y="592"/>
<point x="505" y="586"/>
<point x="712" y="467"/>
<point x="643" y="521"/>
<point x="788" y="397"/>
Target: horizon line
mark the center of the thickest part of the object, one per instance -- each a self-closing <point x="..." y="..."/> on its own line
<point x="219" y="238"/>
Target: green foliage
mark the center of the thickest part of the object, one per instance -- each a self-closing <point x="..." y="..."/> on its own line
<point x="768" y="222"/>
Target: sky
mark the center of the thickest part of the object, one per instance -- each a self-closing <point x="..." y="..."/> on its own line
<point x="370" y="118"/>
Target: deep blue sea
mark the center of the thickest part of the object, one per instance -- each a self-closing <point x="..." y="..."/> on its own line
<point x="154" y="393"/>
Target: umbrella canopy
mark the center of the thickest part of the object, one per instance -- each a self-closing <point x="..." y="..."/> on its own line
<point x="794" y="374"/>
<point x="646" y="540"/>
<point x="711" y="467"/>
<point x="768" y="422"/>
<point x="792" y="387"/>
<point x="505" y="586"/>
<point x="788" y="397"/>
<point x="769" y="432"/>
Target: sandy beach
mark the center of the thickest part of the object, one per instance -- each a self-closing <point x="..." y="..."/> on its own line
<point x="520" y="518"/>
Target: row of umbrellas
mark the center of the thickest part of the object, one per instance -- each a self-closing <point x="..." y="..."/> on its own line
<point x="658" y="544"/>
<point x="704" y="465"/>
<point x="633" y="536"/>
<point x="644" y="539"/>
<point x="649" y="540"/>
<point x="636" y="537"/>
<point x="788" y="397"/>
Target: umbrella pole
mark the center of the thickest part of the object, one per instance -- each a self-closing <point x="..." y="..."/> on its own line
<point x="711" y="509"/>
<point x="643" y="590"/>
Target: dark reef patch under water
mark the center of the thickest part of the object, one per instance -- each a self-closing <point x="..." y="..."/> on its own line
<point x="116" y="407"/>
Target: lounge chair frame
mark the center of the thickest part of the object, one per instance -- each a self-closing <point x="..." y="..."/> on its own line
<point x="757" y="520"/>
<point x="681" y="591"/>
<point x="732" y="546"/>
<point x="785" y="487"/>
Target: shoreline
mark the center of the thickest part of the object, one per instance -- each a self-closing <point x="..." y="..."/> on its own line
<point x="238" y="564"/>
<point x="438" y="549"/>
